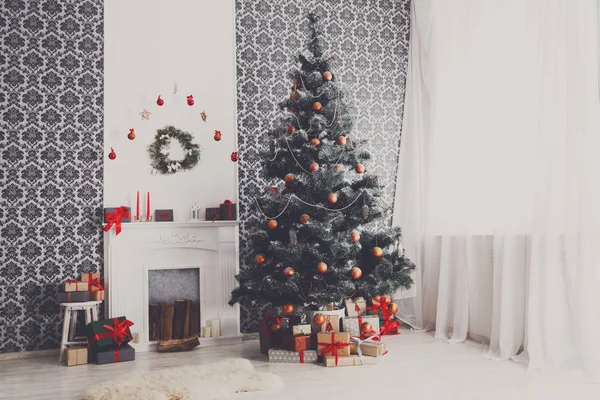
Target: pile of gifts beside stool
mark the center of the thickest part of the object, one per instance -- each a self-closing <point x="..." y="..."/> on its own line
<point x="88" y="288"/>
<point x="353" y="340"/>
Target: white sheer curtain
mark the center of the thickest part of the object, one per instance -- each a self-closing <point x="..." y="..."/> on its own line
<point x="498" y="188"/>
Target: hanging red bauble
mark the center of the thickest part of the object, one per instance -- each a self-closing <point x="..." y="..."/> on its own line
<point x="313" y="167"/>
<point x="377" y="252"/>
<point x="160" y="101"/>
<point x="273" y="189"/>
<point x="315" y="142"/>
<point x="333" y="198"/>
<point x="327" y="75"/>
<point x="234" y="156"/>
<point x="289" y="271"/>
<point x="317" y="106"/>
<point x="190" y="100"/>
<point x="319" y="319"/>
<point x="355" y="236"/>
<point x="276" y="326"/>
<point x="288" y="308"/>
<point x="112" y="155"/>
<point x="341" y="140"/>
<point x="360" y="168"/>
<point x="322" y="267"/>
<point x="272" y="224"/>
<point x="393" y="308"/>
<point x="289" y="178"/>
<point x="291" y="129"/>
<point x="260" y="258"/>
<point x="366" y="327"/>
<point x="131" y="134"/>
<point x="304" y="218"/>
<point x="217" y="135"/>
<point x="356" y="273"/>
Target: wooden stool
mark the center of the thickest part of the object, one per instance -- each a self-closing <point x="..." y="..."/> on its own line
<point x="70" y="322"/>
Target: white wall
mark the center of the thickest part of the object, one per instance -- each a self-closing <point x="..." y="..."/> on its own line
<point x="150" y="45"/>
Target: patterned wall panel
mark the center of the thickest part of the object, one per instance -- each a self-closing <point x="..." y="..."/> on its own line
<point x="370" y="39"/>
<point x="51" y="146"/>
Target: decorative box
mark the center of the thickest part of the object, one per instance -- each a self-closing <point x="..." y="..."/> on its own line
<point x="369" y="349"/>
<point x="90" y="277"/>
<point x="330" y="361"/>
<point x="228" y="211"/>
<point x="390" y="327"/>
<point x="287" y="356"/>
<point x="269" y="338"/>
<point x="76" y="356"/>
<point x="213" y="214"/>
<point x="352" y="324"/>
<point x="119" y="354"/>
<point x="74" y="286"/>
<point x="336" y="343"/>
<point x="331" y="324"/>
<point x="298" y="343"/>
<point x="355" y="307"/>
<point x="98" y="295"/>
<point x="125" y="213"/>
<point x="163" y="215"/>
<point x="73" y="297"/>
<point x="301" y="330"/>
<point x="109" y="333"/>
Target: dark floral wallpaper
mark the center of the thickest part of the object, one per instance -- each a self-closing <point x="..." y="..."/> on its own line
<point x="369" y="39"/>
<point x="51" y="152"/>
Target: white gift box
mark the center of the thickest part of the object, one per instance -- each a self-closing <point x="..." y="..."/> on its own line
<point x="352" y="324"/>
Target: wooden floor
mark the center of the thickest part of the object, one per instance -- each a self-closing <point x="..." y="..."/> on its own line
<point x="417" y="366"/>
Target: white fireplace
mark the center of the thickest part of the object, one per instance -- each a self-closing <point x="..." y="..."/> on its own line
<point x="211" y="247"/>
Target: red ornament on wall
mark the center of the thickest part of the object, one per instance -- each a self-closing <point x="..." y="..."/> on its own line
<point x="217" y="135"/>
<point x="112" y="155"/>
<point x="234" y="156"/>
<point x="131" y="134"/>
<point x="160" y="101"/>
<point x="190" y="100"/>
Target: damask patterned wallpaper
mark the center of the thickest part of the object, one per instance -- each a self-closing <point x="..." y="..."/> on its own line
<point x="370" y="40"/>
<point x="51" y="146"/>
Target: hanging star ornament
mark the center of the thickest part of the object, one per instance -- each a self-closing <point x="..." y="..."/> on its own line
<point x="203" y="115"/>
<point x="145" y="114"/>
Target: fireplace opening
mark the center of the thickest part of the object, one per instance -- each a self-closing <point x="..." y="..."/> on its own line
<point x="174" y="303"/>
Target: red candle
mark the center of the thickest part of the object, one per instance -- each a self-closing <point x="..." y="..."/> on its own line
<point x="137" y="207"/>
<point x="148" y="207"/>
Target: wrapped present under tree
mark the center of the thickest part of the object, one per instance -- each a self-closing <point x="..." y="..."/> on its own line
<point x="109" y="333"/>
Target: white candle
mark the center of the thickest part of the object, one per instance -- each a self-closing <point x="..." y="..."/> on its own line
<point x="206" y="331"/>
<point x="215" y="325"/>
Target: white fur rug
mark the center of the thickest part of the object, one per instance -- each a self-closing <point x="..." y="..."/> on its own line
<point x="206" y="382"/>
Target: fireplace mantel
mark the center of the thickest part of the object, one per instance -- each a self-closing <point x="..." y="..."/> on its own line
<point x="212" y="247"/>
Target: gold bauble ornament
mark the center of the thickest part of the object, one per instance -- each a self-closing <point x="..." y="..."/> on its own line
<point x="276" y="326"/>
<point x="289" y="271"/>
<point x="272" y="224"/>
<point x="366" y="328"/>
<point x="341" y="140"/>
<point x="260" y="258"/>
<point x="289" y="178"/>
<point x="355" y="236"/>
<point x="319" y="319"/>
<point x="288" y="308"/>
<point x="327" y="75"/>
<point x="317" y="106"/>
<point x="333" y="198"/>
<point x="315" y="142"/>
<point x="377" y="252"/>
<point x="360" y="168"/>
<point x="393" y="308"/>
<point x="304" y="218"/>
<point x="356" y="273"/>
<point x="313" y="167"/>
<point x="322" y="267"/>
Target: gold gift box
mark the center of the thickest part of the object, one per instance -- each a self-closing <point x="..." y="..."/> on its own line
<point x="349" y="361"/>
<point x="355" y="308"/>
<point x="323" y="339"/>
<point x="369" y="349"/>
<point x="76" y="356"/>
<point x="74" y="286"/>
<point x="331" y="322"/>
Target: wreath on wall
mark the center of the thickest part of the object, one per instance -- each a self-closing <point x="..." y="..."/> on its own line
<point x="159" y="151"/>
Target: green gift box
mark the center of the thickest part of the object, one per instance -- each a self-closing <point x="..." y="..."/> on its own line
<point x="109" y="333"/>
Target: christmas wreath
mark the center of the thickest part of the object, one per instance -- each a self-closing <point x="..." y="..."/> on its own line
<point x="159" y="151"/>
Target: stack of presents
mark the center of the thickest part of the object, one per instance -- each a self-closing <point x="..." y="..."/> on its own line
<point x="107" y="340"/>
<point x="354" y="339"/>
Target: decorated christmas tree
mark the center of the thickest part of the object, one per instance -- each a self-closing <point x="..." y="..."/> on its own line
<point x="323" y="236"/>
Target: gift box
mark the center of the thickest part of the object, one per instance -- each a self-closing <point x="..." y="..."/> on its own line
<point x="331" y="324"/>
<point x="213" y="214"/>
<point x="163" y="215"/>
<point x="72" y="297"/>
<point x="298" y="343"/>
<point x="98" y="295"/>
<point x="369" y="349"/>
<point x="74" y="286"/>
<point x="228" y="211"/>
<point x="123" y="212"/>
<point x="287" y="356"/>
<point x="115" y="355"/>
<point x="335" y="344"/>
<point x="352" y="324"/>
<point x="267" y="336"/>
<point x="390" y="327"/>
<point x="76" y="356"/>
<point x="90" y="277"/>
<point x="381" y="304"/>
<point x="355" y="307"/>
<point x="301" y="330"/>
<point x="109" y="333"/>
<point x="330" y="361"/>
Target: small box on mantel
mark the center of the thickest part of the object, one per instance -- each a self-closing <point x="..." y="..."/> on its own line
<point x="213" y="214"/>
<point x="228" y="211"/>
<point x="76" y="356"/>
<point x="125" y="215"/>
<point x="163" y="215"/>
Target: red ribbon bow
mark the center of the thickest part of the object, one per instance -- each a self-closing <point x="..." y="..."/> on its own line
<point x="229" y="205"/>
<point x="383" y="306"/>
<point x="332" y="347"/>
<point x="268" y="321"/>
<point x="388" y="327"/>
<point x="95" y="283"/>
<point x="118" y="332"/>
<point x="115" y="218"/>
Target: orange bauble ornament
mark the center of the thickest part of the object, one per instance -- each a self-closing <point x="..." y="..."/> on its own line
<point x="293" y="96"/>
<point x="333" y="198"/>
<point x="366" y="328"/>
<point x="272" y="224"/>
<point x="317" y="106"/>
<point x="315" y="142"/>
<point x="356" y="273"/>
<point x="377" y="252"/>
<point x="322" y="267"/>
<point x="289" y="271"/>
<point x="319" y="319"/>
<point x="313" y="167"/>
<point x="355" y="236"/>
<point x="304" y="218"/>
<point x="273" y="189"/>
<point x="338" y="168"/>
<point x="291" y="129"/>
<point x="327" y="75"/>
<point x="289" y="178"/>
<point x="393" y="308"/>
<point x="341" y="140"/>
<point x="360" y="168"/>
<point x="288" y="308"/>
<point x="276" y="326"/>
<point x="260" y="258"/>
